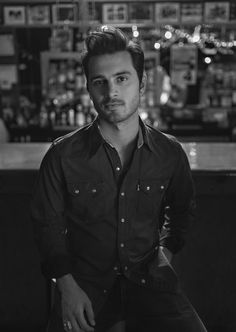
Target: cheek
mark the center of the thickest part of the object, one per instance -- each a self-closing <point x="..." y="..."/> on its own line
<point x="134" y="96"/>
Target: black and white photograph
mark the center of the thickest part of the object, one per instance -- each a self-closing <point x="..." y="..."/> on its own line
<point x="115" y="13"/>
<point x="167" y="12"/>
<point x="232" y="12"/>
<point x="118" y="166"/>
<point x="191" y="12"/>
<point x="216" y="12"/>
<point x="7" y="44"/>
<point x="141" y="12"/>
<point x="14" y="15"/>
<point x="63" y="13"/>
<point x="8" y="76"/>
<point x="94" y="12"/>
<point x="38" y="14"/>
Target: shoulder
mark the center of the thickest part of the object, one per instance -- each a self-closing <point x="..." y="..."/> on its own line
<point x="161" y="140"/>
<point x="72" y="142"/>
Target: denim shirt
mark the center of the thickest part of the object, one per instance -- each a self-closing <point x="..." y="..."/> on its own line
<point x="95" y="220"/>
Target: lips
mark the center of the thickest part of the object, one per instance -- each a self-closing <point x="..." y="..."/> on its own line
<point x="113" y="104"/>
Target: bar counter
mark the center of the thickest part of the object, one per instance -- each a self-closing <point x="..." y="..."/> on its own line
<point x="202" y="156"/>
<point x="206" y="266"/>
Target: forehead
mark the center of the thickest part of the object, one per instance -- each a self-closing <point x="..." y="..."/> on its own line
<point x="110" y="64"/>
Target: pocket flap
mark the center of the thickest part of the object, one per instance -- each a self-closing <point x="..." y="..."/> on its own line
<point x="85" y="187"/>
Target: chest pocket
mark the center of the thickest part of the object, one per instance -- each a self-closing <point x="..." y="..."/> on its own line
<point x="87" y="198"/>
<point x="150" y="196"/>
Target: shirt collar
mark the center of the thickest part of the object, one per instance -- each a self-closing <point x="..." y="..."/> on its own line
<point x="146" y="135"/>
<point x="97" y="139"/>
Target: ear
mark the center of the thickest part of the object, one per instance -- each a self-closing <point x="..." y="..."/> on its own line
<point x="143" y="83"/>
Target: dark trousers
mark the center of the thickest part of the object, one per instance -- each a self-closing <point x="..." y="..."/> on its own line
<point x="143" y="310"/>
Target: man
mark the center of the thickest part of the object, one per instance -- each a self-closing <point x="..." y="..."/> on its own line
<point x="112" y="204"/>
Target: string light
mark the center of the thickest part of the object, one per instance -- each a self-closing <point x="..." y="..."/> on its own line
<point x="202" y="40"/>
<point x="168" y="35"/>
<point x="207" y="60"/>
<point x="157" y="45"/>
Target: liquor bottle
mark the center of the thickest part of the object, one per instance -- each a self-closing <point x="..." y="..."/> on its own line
<point x="80" y="119"/>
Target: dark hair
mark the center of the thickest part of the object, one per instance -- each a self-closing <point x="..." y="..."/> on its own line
<point x="108" y="40"/>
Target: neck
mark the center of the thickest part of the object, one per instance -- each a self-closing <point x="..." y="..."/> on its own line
<point x="121" y="134"/>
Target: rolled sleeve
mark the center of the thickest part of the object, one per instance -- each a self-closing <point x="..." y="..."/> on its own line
<point x="47" y="214"/>
<point x="180" y="205"/>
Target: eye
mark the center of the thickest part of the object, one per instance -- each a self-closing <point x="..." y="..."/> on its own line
<point x="121" y="78"/>
<point x="99" y="82"/>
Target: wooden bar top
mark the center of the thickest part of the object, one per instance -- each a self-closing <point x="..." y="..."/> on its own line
<point x="202" y="156"/>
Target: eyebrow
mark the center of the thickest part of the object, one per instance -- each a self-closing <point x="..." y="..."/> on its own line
<point x="126" y="72"/>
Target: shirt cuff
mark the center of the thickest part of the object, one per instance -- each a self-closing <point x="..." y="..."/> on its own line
<point x="56" y="267"/>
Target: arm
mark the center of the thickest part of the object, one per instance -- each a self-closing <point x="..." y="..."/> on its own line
<point x="180" y="205"/>
<point x="47" y="211"/>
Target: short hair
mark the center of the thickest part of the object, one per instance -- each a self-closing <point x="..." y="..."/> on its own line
<point x="108" y="40"/>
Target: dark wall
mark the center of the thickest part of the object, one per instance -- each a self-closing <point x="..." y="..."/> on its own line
<point x="206" y="266"/>
<point x="24" y="292"/>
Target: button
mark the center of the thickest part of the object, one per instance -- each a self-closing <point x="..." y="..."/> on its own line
<point x="148" y="187"/>
<point x="143" y="281"/>
<point x="122" y="194"/>
<point x="76" y="191"/>
<point x="162" y="187"/>
<point x="94" y="190"/>
<point x="122" y="219"/>
<point x="104" y="291"/>
<point x="118" y="169"/>
<point x="156" y="248"/>
<point x="115" y="268"/>
<point x="122" y="245"/>
<point x="126" y="268"/>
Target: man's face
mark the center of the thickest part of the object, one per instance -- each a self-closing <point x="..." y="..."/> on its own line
<point x="114" y="86"/>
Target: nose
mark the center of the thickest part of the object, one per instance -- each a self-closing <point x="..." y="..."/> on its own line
<point x="112" y="90"/>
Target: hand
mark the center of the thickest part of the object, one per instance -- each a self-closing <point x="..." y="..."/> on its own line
<point x="76" y="306"/>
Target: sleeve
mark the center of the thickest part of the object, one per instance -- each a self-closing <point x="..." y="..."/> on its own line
<point x="47" y="215"/>
<point x="180" y="205"/>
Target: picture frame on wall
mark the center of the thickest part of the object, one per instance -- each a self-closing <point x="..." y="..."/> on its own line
<point x="61" y="40"/>
<point x="232" y="12"/>
<point x="1" y="14"/>
<point x="7" y="44"/>
<point x="94" y="12"/>
<point x="63" y="13"/>
<point x="216" y="12"/>
<point x="8" y="76"/>
<point x="38" y="14"/>
<point x="168" y="13"/>
<point x="114" y="13"/>
<point x="141" y="13"/>
<point x="14" y="15"/>
<point x="191" y="12"/>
